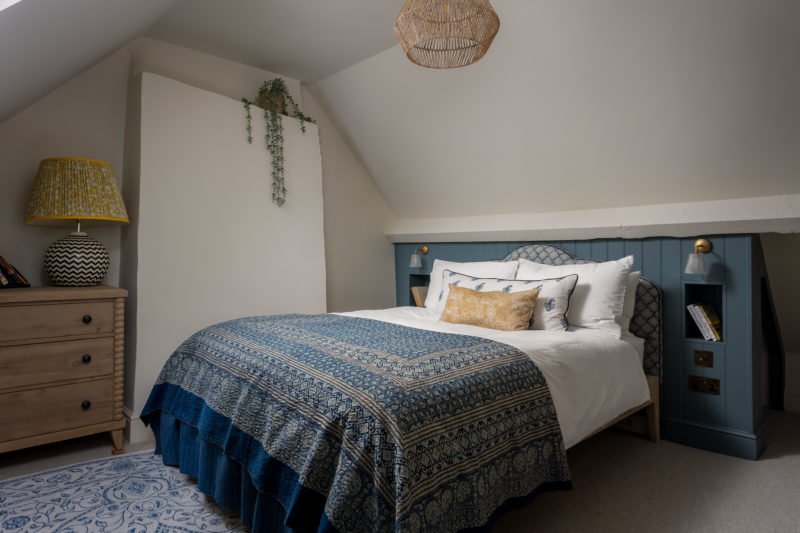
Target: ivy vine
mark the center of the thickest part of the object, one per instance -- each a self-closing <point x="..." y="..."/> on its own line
<point x="275" y="100"/>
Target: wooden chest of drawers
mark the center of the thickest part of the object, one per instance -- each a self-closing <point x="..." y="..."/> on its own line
<point x="61" y="364"/>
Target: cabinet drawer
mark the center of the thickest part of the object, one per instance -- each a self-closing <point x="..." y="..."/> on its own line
<point x="38" y="411"/>
<point x="55" y="320"/>
<point x="30" y="364"/>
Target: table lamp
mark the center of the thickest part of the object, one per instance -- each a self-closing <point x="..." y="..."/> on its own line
<point x="71" y="191"/>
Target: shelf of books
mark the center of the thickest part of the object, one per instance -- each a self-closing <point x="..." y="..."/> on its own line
<point x="704" y="308"/>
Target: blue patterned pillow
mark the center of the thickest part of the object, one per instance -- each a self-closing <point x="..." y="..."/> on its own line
<point x="550" y="311"/>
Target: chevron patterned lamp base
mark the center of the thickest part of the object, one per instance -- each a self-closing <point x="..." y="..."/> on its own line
<point x="76" y="261"/>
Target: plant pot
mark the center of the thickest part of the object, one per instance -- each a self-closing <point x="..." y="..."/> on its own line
<point x="272" y="102"/>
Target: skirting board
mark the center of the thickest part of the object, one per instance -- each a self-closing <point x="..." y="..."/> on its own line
<point x="136" y="432"/>
<point x="715" y="439"/>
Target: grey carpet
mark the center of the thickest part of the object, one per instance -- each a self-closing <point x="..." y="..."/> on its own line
<point x="623" y="483"/>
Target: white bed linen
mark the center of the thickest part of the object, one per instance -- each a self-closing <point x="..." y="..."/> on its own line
<point x="593" y="376"/>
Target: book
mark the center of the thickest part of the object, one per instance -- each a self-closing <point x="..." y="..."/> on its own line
<point x="705" y="331"/>
<point x="712" y="320"/>
<point x="14" y="276"/>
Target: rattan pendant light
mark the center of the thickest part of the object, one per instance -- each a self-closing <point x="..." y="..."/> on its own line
<point x="446" y="34"/>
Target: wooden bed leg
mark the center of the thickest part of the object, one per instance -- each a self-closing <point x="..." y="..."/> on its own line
<point x="653" y="410"/>
<point x="116" y="437"/>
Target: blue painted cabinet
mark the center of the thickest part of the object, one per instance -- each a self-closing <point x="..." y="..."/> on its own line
<point x="728" y="422"/>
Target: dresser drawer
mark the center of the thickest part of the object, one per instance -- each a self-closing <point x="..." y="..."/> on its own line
<point x="24" y="322"/>
<point x="38" y="411"/>
<point x="31" y="364"/>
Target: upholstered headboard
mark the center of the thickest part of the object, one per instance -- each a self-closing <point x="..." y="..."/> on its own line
<point x="646" y="322"/>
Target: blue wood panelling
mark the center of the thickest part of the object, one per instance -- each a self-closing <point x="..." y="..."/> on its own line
<point x="738" y="308"/>
<point x="730" y="422"/>
<point x="672" y="263"/>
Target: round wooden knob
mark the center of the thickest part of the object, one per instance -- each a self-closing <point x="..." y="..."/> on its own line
<point x="86" y="404"/>
<point x="87" y="319"/>
<point x="86" y="358"/>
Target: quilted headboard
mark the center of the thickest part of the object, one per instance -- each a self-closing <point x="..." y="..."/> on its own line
<point x="646" y="322"/>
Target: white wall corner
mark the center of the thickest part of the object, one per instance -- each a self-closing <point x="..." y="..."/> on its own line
<point x="136" y="433"/>
<point x="204" y="71"/>
<point x="356" y="217"/>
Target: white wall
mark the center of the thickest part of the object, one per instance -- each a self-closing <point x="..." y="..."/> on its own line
<point x="211" y="244"/>
<point x="85" y="117"/>
<point x="359" y="257"/>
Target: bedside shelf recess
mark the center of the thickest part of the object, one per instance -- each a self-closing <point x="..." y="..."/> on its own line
<point x="703" y="294"/>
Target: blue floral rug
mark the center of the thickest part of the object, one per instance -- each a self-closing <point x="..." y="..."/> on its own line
<point x="132" y="493"/>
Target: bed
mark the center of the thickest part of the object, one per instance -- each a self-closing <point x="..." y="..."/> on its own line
<point x="389" y="420"/>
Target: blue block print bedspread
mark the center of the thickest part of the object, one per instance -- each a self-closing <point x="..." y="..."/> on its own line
<point x="396" y="428"/>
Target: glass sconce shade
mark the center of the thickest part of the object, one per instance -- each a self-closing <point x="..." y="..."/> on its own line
<point x="416" y="260"/>
<point x="696" y="264"/>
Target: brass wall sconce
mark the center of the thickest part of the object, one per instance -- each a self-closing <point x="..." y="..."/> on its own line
<point x="696" y="264"/>
<point x="416" y="259"/>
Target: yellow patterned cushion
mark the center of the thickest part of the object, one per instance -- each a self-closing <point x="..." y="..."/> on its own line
<point x="491" y="309"/>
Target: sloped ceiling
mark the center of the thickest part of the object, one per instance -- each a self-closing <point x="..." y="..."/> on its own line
<point x="585" y="104"/>
<point x="304" y="39"/>
<point x="43" y="43"/>
<point x="616" y="102"/>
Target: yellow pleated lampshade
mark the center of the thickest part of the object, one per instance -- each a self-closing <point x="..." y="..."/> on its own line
<point x="68" y="189"/>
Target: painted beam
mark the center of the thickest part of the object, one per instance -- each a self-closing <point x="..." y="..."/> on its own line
<point x="745" y="215"/>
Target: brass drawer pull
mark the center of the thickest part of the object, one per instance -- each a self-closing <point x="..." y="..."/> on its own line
<point x="87" y="319"/>
<point x="86" y="358"/>
<point x="86" y="404"/>
<point x="704" y="385"/>
<point x="704" y="358"/>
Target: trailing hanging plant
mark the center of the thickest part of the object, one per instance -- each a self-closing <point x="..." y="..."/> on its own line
<point x="275" y="100"/>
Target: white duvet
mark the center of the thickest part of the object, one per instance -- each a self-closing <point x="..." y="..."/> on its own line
<point x="593" y="376"/>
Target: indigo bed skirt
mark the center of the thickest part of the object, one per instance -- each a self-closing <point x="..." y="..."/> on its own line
<point x="231" y="484"/>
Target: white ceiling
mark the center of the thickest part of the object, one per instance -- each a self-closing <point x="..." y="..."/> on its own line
<point x="585" y="104"/>
<point x="618" y="102"/>
<point x="43" y="43"/>
<point x="304" y="39"/>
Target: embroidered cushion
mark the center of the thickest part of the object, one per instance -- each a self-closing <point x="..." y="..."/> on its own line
<point x="491" y="309"/>
<point x="482" y="269"/>
<point x="551" y="305"/>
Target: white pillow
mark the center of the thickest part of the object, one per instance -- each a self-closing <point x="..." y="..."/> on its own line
<point x="552" y="302"/>
<point x="599" y="296"/>
<point x="481" y="269"/>
<point x="629" y="305"/>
